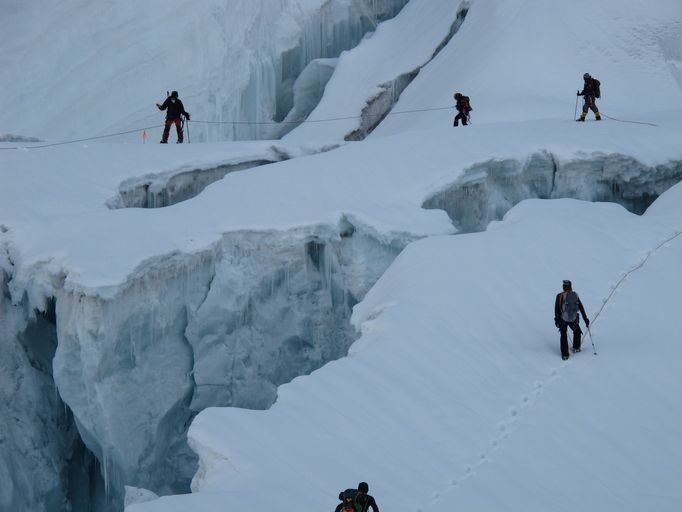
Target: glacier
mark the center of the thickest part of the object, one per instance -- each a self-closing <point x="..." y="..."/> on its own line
<point x="233" y="324"/>
<point x="155" y="302"/>
<point x="486" y="191"/>
<point x="225" y="317"/>
<point x="251" y="54"/>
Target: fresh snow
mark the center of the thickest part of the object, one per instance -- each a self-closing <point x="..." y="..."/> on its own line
<point x="455" y="390"/>
<point x="453" y="393"/>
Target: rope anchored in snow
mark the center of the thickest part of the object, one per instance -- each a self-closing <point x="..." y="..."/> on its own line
<point x="626" y="121"/>
<point x="107" y="136"/>
<point x="264" y="123"/>
<point x="300" y="121"/>
<point x="325" y="120"/>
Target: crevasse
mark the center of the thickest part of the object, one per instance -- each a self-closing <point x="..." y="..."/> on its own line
<point x="272" y="94"/>
<point x="223" y="327"/>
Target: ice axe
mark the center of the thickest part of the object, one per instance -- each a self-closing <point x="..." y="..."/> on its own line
<point x="167" y="95"/>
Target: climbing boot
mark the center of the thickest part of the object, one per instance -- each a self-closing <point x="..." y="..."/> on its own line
<point x="582" y="117"/>
<point x="597" y="116"/>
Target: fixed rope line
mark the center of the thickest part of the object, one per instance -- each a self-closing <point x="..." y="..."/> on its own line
<point x="325" y="120"/>
<point x="626" y="121"/>
<point x="301" y="121"/>
<point x="297" y="122"/>
<point x="108" y="135"/>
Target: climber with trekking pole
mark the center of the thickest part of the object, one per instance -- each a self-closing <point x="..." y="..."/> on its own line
<point x="175" y="110"/>
<point x="567" y="305"/>
<point x="590" y="93"/>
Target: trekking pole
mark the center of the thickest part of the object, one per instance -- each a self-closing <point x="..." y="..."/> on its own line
<point x="189" y="139"/>
<point x="592" y="340"/>
<point x="575" y="112"/>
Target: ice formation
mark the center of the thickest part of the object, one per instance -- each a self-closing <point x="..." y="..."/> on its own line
<point x="121" y="324"/>
<point x="369" y="79"/>
<point x="487" y="190"/>
<point x="231" y="61"/>
<point x="222" y="328"/>
<point x="44" y="465"/>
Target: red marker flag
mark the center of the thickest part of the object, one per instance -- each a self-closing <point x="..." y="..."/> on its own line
<point x="145" y="136"/>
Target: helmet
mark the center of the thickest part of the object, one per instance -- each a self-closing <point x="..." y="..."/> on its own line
<point x="567" y="284"/>
<point x="586" y="76"/>
<point x="363" y="487"/>
<point x="457" y="95"/>
<point x="174" y="94"/>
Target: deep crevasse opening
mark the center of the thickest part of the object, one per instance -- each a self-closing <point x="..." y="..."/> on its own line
<point x="44" y="465"/>
<point x="220" y="328"/>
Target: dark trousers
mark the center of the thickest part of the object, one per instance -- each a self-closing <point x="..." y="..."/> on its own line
<point x="462" y="116"/>
<point x="591" y="104"/>
<point x="166" y="129"/>
<point x="563" y="330"/>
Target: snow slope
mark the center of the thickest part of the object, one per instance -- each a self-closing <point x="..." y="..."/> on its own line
<point x="455" y="390"/>
<point x="399" y="47"/>
<point x="312" y="190"/>
<point x="505" y="50"/>
<point x="517" y="60"/>
<point x="230" y="61"/>
<point x="159" y="313"/>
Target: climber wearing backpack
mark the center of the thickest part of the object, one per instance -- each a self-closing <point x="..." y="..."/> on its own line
<point x="463" y="107"/>
<point x="357" y="500"/>
<point x="590" y="93"/>
<point x="566" y="308"/>
<point x="174" y="111"/>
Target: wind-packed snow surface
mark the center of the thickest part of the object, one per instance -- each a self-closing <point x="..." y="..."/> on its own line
<point x="142" y="285"/>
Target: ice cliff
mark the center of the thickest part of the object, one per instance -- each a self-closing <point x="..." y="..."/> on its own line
<point x="251" y="54"/>
<point x="121" y="321"/>
<point x="223" y="327"/>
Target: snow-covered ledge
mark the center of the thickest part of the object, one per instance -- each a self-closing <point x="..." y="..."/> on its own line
<point x="487" y="190"/>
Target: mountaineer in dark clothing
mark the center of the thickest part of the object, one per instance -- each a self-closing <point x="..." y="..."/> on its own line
<point x="463" y="107"/>
<point x="566" y="308"/>
<point x="357" y="500"/>
<point x="590" y="93"/>
<point x="174" y="110"/>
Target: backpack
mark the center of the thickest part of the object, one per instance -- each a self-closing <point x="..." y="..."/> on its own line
<point x="349" y="503"/>
<point x="570" y="307"/>
<point x="465" y="104"/>
<point x="362" y="502"/>
<point x="596" y="83"/>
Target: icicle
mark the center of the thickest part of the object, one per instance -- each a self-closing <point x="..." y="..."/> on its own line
<point x="105" y="475"/>
<point x="327" y="267"/>
<point x="287" y="279"/>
